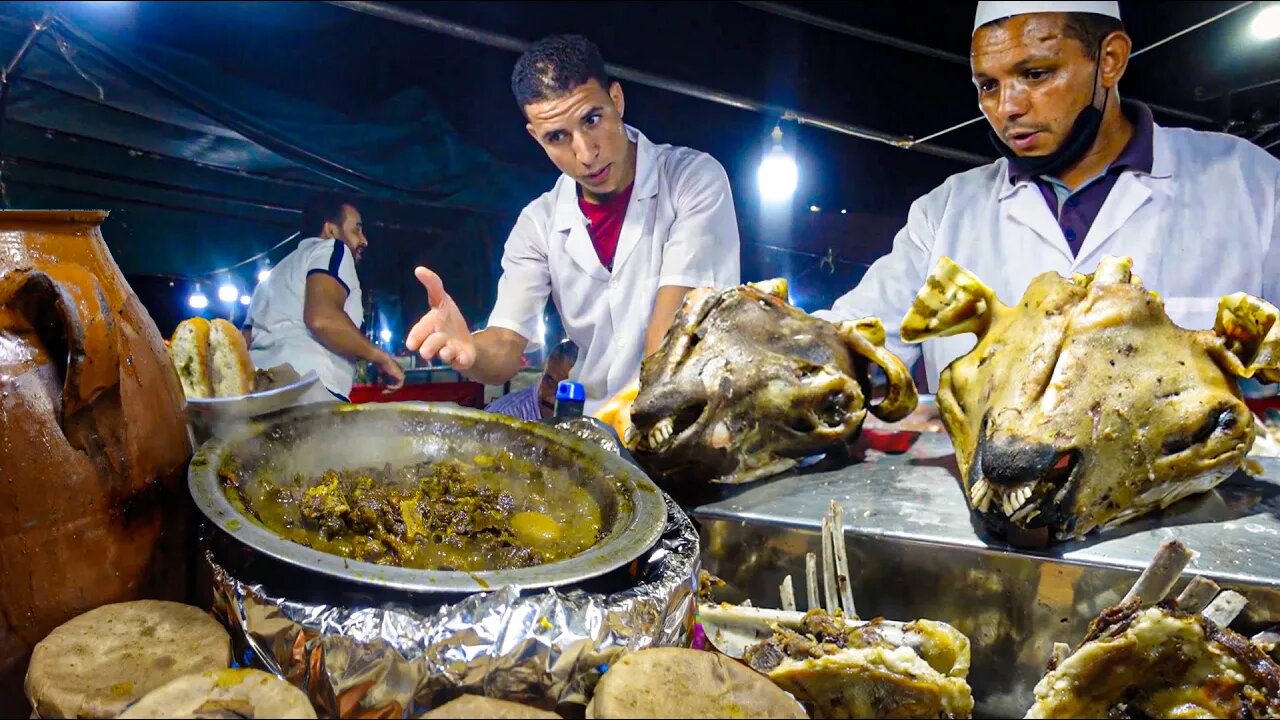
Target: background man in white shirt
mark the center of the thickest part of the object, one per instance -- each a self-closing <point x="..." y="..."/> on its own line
<point x="628" y="229"/>
<point x="308" y="311"/>
<point x="1082" y="175"/>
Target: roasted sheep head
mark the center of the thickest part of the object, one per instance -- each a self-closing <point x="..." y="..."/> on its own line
<point x="1084" y="406"/>
<point x="746" y="384"/>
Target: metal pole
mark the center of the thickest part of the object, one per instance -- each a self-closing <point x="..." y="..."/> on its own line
<point x="6" y="81"/>
<point x="389" y="11"/>
<point x="793" y="13"/>
<point x="38" y="28"/>
<point x="826" y="23"/>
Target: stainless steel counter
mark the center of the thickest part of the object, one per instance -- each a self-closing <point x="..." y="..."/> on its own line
<point x="914" y="552"/>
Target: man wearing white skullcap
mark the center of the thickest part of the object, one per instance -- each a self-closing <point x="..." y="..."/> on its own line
<point x="1081" y="175"/>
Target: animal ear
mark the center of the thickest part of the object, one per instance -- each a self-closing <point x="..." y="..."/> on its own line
<point x="866" y="338"/>
<point x="952" y="302"/>
<point x="1114" y="270"/>
<point x="1250" y="330"/>
<point x="776" y="287"/>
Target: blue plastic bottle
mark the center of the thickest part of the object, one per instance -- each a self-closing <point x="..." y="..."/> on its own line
<point x="570" y="397"/>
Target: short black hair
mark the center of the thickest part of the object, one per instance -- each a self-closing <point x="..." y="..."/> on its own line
<point x="321" y="208"/>
<point x="567" y="350"/>
<point x="1088" y="29"/>
<point x="555" y="65"/>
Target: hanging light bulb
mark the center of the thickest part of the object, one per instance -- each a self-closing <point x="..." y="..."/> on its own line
<point x="263" y="275"/>
<point x="1266" y="24"/>
<point x="778" y="174"/>
<point x="197" y="300"/>
<point x="245" y="299"/>
<point x="228" y="293"/>
<point x="385" y="335"/>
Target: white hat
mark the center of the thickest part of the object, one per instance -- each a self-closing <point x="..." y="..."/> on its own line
<point x="997" y="9"/>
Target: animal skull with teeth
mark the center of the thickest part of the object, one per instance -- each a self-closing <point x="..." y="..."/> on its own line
<point x="746" y="384"/>
<point x="1084" y="406"/>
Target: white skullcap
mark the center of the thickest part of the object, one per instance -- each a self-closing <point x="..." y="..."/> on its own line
<point x="997" y="9"/>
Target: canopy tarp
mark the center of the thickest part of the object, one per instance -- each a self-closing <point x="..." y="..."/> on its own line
<point x="201" y="170"/>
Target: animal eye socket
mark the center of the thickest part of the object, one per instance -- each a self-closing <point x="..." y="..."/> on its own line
<point x="804" y="371"/>
<point x="1221" y="420"/>
<point x="801" y="424"/>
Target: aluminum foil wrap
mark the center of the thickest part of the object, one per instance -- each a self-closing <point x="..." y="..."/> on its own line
<point x="399" y="659"/>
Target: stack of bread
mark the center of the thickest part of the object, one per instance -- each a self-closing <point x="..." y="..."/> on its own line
<point x="151" y="659"/>
<point x="211" y="358"/>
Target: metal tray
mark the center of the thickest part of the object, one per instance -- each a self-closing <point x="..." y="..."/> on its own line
<point x="914" y="552"/>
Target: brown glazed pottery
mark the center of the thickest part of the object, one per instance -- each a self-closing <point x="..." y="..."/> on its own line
<point x="93" y="439"/>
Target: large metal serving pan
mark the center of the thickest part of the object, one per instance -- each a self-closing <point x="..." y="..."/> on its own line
<point x="914" y="552"/>
<point x="319" y="437"/>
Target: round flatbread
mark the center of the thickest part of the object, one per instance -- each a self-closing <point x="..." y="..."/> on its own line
<point x="223" y="694"/>
<point x="96" y="664"/>
<point x="476" y="706"/>
<point x="676" y="682"/>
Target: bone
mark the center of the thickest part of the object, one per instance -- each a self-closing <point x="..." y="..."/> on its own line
<point x="1225" y="608"/>
<point x="788" y="595"/>
<point x="811" y="579"/>
<point x="1267" y="639"/>
<point x="828" y="575"/>
<point x="1162" y="574"/>
<point x="842" y="559"/>
<point x="1197" y="594"/>
<point x="1061" y="651"/>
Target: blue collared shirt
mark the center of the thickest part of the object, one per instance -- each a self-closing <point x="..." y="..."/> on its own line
<point x="521" y="404"/>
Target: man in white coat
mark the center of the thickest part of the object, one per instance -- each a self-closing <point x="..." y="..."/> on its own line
<point x="628" y="229"/>
<point x="1082" y="175"/>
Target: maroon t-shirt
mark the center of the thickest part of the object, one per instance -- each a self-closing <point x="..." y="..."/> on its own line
<point x="604" y="223"/>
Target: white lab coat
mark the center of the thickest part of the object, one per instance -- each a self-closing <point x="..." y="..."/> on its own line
<point x="680" y="230"/>
<point x="1203" y="224"/>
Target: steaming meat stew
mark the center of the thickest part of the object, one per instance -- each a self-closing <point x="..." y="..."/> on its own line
<point x="495" y="513"/>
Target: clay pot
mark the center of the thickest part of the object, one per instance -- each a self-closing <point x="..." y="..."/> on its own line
<point x="93" y="439"/>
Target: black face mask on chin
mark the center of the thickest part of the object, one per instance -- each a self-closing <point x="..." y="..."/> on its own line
<point x="1083" y="132"/>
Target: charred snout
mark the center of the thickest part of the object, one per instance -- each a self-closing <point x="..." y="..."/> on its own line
<point x="1009" y="462"/>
